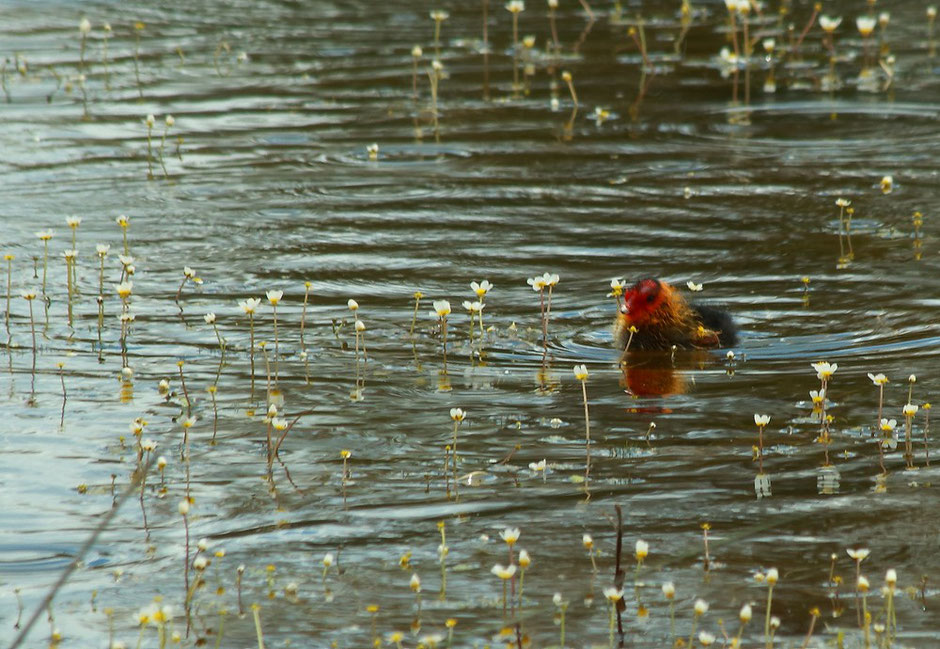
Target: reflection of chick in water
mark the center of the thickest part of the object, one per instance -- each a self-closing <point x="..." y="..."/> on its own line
<point x="648" y="373"/>
<point x="654" y="316"/>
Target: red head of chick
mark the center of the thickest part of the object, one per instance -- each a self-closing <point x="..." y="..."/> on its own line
<point x="654" y="315"/>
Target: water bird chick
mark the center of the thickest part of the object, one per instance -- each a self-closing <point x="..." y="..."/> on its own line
<point x="662" y="318"/>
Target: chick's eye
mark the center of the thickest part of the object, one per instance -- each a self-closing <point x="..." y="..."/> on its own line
<point x="650" y="298"/>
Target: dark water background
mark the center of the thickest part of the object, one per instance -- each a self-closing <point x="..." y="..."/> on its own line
<point x="273" y="187"/>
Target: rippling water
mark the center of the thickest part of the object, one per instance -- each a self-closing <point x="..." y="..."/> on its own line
<point x="268" y="185"/>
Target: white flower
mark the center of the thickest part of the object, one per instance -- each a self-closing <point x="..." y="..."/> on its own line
<point x="123" y="220"/>
<point x="150" y="120"/>
<point x="669" y="590"/>
<point x="510" y="535"/>
<point x="910" y="410"/>
<point x="878" y="379"/>
<point x="482" y="288"/>
<point x="700" y="607"/>
<point x="124" y="289"/>
<point x="613" y="594"/>
<point x="887" y="184"/>
<point x="473" y="307"/>
<point x="515" y="6"/>
<point x="761" y="420"/>
<point x="865" y="24"/>
<point x="912" y="378"/>
<point x="824" y="370"/>
<point x="441" y="308"/>
<point x="843" y="202"/>
<point x="44" y="235"/>
<point x="250" y="305"/>
<point x="745" y="614"/>
<point x="188" y="422"/>
<point x="642" y="549"/>
<point x="360" y="326"/>
<point x="860" y="554"/>
<point x="891" y="577"/>
<point x="416" y="51"/>
<point x="693" y="286"/>
<point x="439" y="15"/>
<point x="126" y="260"/>
<point x="537" y="283"/>
<point x="706" y="638"/>
<point x="524" y="559"/>
<point x="183" y="507"/>
<point x="274" y="297"/>
<point x="169" y="121"/>
<point x="503" y="572"/>
<point x="102" y="249"/>
<point x="209" y="318"/>
<point x="818" y="396"/>
<point x="863" y="584"/>
<point x="73" y="221"/>
<point x="580" y="372"/>
<point x="415" y="583"/>
<point x="188" y="272"/>
<point x="829" y="24"/>
<point x="457" y="414"/>
<point x="587" y="541"/>
<point x="84" y="26"/>
<point x="888" y="425"/>
<point x="200" y="563"/>
<point x="557" y="599"/>
<point x="772" y="576"/>
<point x="327" y="560"/>
<point x="148" y="445"/>
<point x="352" y="304"/>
